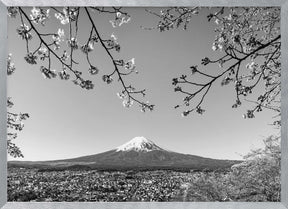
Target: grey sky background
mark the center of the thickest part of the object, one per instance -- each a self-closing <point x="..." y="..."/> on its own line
<point x="68" y="121"/>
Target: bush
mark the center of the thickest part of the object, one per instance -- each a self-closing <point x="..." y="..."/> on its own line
<point x="256" y="179"/>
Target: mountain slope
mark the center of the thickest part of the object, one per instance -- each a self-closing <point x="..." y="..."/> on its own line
<point x="138" y="153"/>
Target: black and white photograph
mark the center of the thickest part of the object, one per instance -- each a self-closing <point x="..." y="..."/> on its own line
<point x="144" y="104"/>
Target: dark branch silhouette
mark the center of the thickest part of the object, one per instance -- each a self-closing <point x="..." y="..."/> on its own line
<point x="70" y="16"/>
<point x="248" y="36"/>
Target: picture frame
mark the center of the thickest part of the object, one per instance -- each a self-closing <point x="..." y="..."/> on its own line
<point x="153" y="205"/>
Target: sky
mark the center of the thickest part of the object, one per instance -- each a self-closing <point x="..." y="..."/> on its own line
<point x="67" y="121"/>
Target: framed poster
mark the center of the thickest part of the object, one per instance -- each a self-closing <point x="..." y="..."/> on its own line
<point x="140" y="104"/>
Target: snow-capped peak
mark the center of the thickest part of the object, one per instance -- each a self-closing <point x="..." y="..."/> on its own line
<point x="139" y="144"/>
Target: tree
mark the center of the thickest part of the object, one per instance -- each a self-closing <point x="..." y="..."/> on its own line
<point x="14" y="120"/>
<point x="256" y="179"/>
<point x="51" y="47"/>
<point x="259" y="174"/>
<point x="248" y="45"/>
<point x="248" y="36"/>
<point x="245" y="37"/>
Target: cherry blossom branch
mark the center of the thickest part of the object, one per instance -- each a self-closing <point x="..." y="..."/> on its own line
<point x="206" y="87"/>
<point x="84" y="84"/>
<point x="127" y="89"/>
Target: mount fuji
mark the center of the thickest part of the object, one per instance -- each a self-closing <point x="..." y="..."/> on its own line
<point x="137" y="154"/>
<point x="139" y="144"/>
